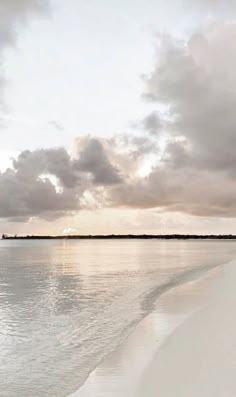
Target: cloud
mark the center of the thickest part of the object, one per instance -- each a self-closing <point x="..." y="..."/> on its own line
<point x="23" y="198"/>
<point x="181" y="190"/>
<point x="94" y="160"/>
<point x="195" y="82"/>
<point x="194" y="85"/>
<point x="49" y="183"/>
<point x="13" y="15"/>
<point x="211" y="6"/>
<point x="30" y="165"/>
<point x="15" y="12"/>
<point x="190" y="135"/>
<point x="152" y="123"/>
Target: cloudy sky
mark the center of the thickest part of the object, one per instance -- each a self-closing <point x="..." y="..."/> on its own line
<point x="117" y="116"/>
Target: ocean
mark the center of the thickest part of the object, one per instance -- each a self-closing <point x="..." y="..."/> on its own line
<point x="67" y="304"/>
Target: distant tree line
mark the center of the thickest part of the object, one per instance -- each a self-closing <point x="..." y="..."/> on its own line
<point x="127" y="236"/>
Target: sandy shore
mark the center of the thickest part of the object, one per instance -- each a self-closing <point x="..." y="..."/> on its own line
<point x="199" y="359"/>
<point x="179" y="349"/>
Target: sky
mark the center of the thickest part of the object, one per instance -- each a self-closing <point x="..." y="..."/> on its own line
<point x="117" y="116"/>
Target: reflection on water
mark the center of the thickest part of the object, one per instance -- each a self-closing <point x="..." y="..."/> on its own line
<point x="64" y="305"/>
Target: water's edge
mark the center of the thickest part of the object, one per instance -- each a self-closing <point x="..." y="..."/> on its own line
<point x="148" y="305"/>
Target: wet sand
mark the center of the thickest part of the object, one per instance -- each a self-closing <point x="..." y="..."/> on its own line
<point x="156" y="357"/>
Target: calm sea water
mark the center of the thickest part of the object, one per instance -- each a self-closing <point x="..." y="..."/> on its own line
<point x="65" y="305"/>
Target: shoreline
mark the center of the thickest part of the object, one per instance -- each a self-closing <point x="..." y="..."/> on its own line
<point x="200" y="356"/>
<point x="120" y="373"/>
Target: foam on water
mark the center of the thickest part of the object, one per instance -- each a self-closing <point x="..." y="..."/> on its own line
<point x="64" y="306"/>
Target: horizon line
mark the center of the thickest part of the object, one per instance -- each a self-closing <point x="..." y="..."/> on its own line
<point x="119" y="236"/>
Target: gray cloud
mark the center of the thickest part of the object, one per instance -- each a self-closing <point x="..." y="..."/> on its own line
<point x="15" y="12"/>
<point x="94" y="160"/>
<point x="25" y="198"/>
<point x="184" y="190"/>
<point x="30" y="165"/>
<point x="49" y="183"/>
<point x="195" y="81"/>
<point x="152" y="123"/>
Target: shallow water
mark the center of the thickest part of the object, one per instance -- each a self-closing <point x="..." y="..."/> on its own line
<point x="65" y="305"/>
<point x="124" y="373"/>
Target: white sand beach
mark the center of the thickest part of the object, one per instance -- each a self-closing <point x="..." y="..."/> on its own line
<point x="199" y="359"/>
<point x="185" y="348"/>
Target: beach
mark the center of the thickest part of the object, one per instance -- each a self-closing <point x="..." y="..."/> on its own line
<point x="199" y="359"/>
<point x="185" y="348"/>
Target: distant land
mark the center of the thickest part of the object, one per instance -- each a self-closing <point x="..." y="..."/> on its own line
<point x="126" y="236"/>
